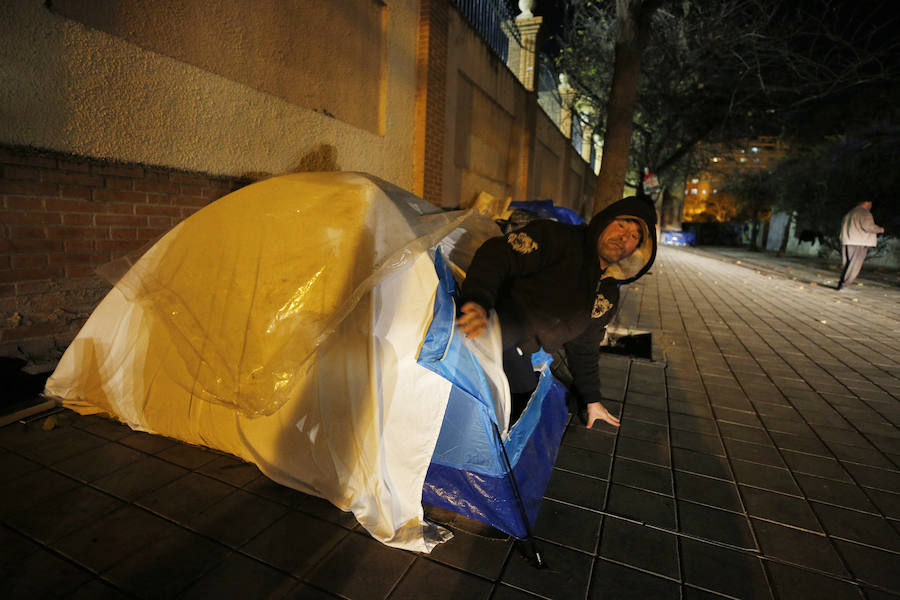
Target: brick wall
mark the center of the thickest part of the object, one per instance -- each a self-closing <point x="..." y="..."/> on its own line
<point x="60" y="218"/>
<point x="431" y="76"/>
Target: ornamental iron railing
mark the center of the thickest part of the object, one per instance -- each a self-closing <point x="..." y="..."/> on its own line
<point x="488" y="18"/>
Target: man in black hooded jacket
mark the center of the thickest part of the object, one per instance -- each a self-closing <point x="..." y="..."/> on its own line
<point x="556" y="285"/>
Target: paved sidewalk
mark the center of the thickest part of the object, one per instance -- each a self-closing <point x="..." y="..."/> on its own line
<point x="807" y="269"/>
<point x="759" y="459"/>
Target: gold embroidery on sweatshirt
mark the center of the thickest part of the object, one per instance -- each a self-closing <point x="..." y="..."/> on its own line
<point x="521" y="243"/>
<point x="601" y="306"/>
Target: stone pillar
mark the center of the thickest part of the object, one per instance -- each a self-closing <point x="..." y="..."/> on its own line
<point x="521" y="58"/>
<point x="587" y="141"/>
<point x="567" y="99"/>
<point x="587" y="138"/>
<point x="522" y="61"/>
<point x="598" y="149"/>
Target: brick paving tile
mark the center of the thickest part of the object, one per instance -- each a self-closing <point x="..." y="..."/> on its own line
<point x="587" y="492"/>
<point x="217" y="520"/>
<point x="716" y="525"/>
<point x="44" y="521"/>
<point x="791" y="582"/>
<point x="654" y="509"/>
<point x="775" y="479"/>
<point x="595" y="464"/>
<point x="485" y="556"/>
<point x="97" y="589"/>
<point x="640" y="546"/>
<point x="644" y="451"/>
<point x="186" y="497"/>
<point x="566" y="576"/>
<point x="568" y="525"/>
<point x="238" y="576"/>
<point x="440" y="582"/>
<point x="706" y="490"/>
<point x="732" y="572"/>
<point x="40" y="575"/>
<point x="617" y="581"/>
<point x="12" y="465"/>
<point x="166" y="567"/>
<point x="295" y="543"/>
<point x="642" y="475"/>
<point x="140" y="478"/>
<point x="361" y="568"/>
<point x="98" y="462"/>
<point x="758" y="457"/>
<point x="798" y="547"/>
<point x="189" y="457"/>
<point x="701" y="464"/>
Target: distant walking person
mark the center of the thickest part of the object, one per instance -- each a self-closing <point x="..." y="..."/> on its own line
<point x="858" y="233"/>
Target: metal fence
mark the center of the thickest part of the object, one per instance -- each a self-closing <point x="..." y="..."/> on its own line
<point x="548" y="90"/>
<point x="577" y="132"/>
<point x="488" y="18"/>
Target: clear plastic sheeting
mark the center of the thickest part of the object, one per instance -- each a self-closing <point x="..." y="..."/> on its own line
<point x="459" y="246"/>
<point x="250" y="286"/>
<point x="281" y="324"/>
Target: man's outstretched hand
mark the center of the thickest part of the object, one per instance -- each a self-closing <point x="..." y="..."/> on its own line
<point x="597" y="412"/>
<point x="473" y="319"/>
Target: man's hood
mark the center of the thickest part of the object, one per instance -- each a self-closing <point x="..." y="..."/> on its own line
<point x="633" y="267"/>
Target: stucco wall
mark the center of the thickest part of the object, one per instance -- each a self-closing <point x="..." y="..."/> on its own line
<point x="68" y="87"/>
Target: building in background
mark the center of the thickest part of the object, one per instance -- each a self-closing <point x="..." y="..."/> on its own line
<point x="705" y="198"/>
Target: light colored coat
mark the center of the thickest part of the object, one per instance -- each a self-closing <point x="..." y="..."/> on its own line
<point x="859" y="229"/>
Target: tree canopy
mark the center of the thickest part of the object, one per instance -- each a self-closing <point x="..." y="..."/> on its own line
<point x="719" y="70"/>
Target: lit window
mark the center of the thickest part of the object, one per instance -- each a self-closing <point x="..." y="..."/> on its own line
<point x="743" y="159"/>
<point x="754" y="149"/>
<point x="695" y="180"/>
<point x="694" y="191"/>
<point x="715" y="191"/>
<point x="715" y="159"/>
<point x="703" y="192"/>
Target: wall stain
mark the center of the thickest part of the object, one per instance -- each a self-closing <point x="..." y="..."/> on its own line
<point x="323" y="158"/>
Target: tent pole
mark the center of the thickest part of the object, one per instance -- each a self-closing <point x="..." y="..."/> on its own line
<point x="533" y="553"/>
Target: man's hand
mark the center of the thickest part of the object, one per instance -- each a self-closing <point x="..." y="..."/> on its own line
<point x="597" y="412"/>
<point x="473" y="319"/>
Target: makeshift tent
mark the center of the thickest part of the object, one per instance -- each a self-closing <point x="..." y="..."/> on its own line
<point x="282" y="324"/>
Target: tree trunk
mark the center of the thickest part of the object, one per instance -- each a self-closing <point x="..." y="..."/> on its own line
<point x="633" y="18"/>
<point x="619" y="114"/>
<point x="765" y="234"/>
<point x="754" y="233"/>
<point x="782" y="250"/>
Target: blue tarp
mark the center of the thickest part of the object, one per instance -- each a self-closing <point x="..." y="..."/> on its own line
<point x="545" y="209"/>
<point x="678" y="238"/>
<point x="473" y="471"/>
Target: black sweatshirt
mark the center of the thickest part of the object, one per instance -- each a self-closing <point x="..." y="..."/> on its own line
<point x="549" y="290"/>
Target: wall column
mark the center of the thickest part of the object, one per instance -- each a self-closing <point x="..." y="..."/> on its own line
<point x="567" y="101"/>
<point x="431" y="89"/>
<point x="522" y="61"/>
<point x="522" y="58"/>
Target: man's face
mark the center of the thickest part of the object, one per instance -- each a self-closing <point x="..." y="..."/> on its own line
<point x="618" y="241"/>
